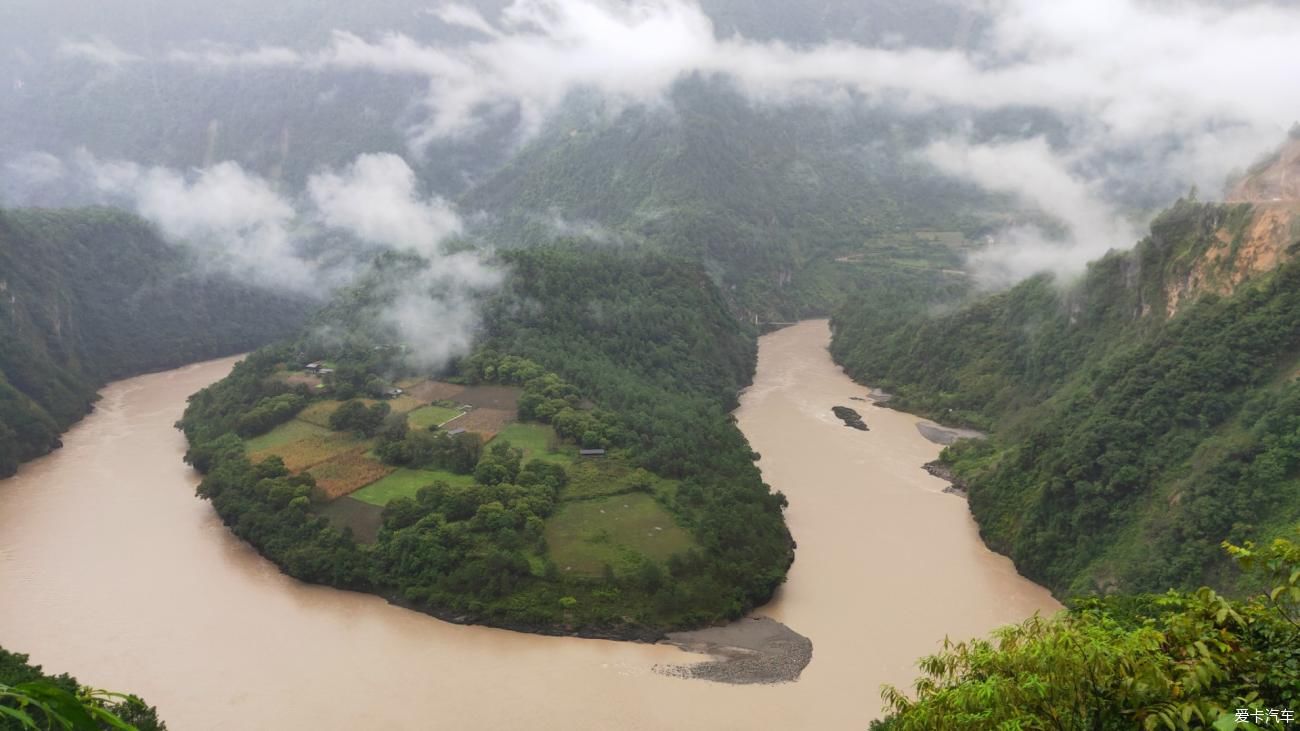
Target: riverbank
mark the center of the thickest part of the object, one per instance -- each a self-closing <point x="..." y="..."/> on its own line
<point x="629" y="633"/>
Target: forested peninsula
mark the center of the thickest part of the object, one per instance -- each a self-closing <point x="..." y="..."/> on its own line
<point x="94" y="294"/>
<point x="577" y="473"/>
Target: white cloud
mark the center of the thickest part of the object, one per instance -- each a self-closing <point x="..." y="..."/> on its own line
<point x="234" y="217"/>
<point x="221" y="57"/>
<point x="1130" y="66"/>
<point x="35" y="169"/>
<point x="464" y="16"/>
<point x="97" y="50"/>
<point x="376" y="199"/>
<point x="1182" y="90"/>
<point x="1042" y="179"/>
<point x="242" y="225"/>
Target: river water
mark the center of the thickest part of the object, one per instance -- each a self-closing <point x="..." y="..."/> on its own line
<point x="111" y="569"/>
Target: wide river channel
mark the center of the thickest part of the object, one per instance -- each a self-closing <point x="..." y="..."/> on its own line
<point x="111" y="569"/>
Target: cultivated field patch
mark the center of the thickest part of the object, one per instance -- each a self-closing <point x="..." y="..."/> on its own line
<point x="299" y="444"/>
<point x="488" y="422"/>
<point x="427" y="416"/>
<point x="318" y="413"/>
<point x="620" y="531"/>
<point x="290" y="431"/>
<point x="347" y="472"/>
<point x="429" y="391"/>
<point x="405" y="483"/>
<point x="406" y="403"/>
<point x="505" y="398"/>
<point x="538" y="442"/>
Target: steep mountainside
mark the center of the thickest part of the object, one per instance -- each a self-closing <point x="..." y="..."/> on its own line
<point x="768" y="199"/>
<point x="1141" y="415"/>
<point x="91" y="295"/>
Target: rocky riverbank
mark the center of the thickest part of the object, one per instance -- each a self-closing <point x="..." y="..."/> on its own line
<point x="956" y="485"/>
<point x="754" y="650"/>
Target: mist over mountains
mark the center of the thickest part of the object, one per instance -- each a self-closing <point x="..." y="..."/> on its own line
<point x="1092" y="115"/>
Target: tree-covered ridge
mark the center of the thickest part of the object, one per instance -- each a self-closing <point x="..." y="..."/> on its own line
<point x="1181" y="660"/>
<point x="90" y="295"/>
<point x="767" y="199"/>
<point x="631" y="353"/>
<point x="1127" y="444"/>
<point x="30" y="699"/>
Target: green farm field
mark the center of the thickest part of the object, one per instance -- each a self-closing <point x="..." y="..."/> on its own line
<point x="405" y="483"/>
<point x="536" y="441"/>
<point x="621" y="531"/>
<point x="427" y="416"/>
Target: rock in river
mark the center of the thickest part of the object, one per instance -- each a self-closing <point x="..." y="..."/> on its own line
<point x="850" y="417"/>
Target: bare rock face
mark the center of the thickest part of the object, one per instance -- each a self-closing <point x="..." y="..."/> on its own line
<point x="850" y="418"/>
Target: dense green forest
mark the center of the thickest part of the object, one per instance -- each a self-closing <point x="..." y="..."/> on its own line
<point x="30" y="699"/>
<point x="1127" y="444"/>
<point x="89" y="295"/>
<point x="632" y="353"/>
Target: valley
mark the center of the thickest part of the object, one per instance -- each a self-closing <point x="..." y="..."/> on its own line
<point x="649" y="364"/>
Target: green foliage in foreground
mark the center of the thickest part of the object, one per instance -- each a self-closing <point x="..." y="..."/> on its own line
<point x="29" y="699"/>
<point x="1173" y="661"/>
<point x="631" y="353"/>
<point x="1127" y="445"/>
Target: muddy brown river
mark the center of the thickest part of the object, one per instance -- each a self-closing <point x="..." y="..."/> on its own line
<point x="111" y="569"/>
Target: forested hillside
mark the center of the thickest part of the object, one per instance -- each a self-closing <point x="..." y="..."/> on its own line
<point x="1140" y="415"/>
<point x="772" y="201"/>
<point x="90" y="295"/>
<point x="578" y="472"/>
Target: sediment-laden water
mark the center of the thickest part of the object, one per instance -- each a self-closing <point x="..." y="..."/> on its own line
<point x="111" y="569"/>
